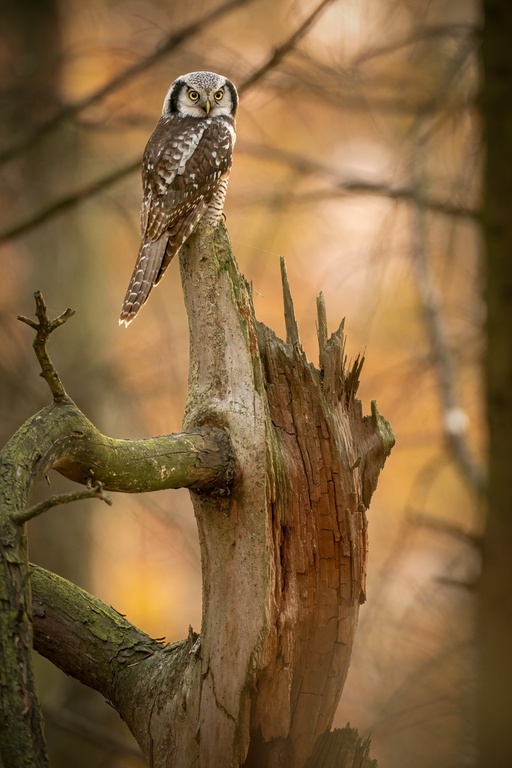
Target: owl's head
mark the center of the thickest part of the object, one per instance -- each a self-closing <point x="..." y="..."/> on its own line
<point x="201" y="94"/>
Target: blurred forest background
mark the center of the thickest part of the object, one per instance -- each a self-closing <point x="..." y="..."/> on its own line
<point x="358" y="160"/>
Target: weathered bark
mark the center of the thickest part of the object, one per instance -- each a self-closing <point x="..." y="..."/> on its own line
<point x="137" y="675"/>
<point x="283" y="554"/>
<point x="342" y="748"/>
<point x="61" y="437"/>
<point x="96" y="644"/>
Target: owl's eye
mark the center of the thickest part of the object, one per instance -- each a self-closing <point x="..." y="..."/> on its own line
<point x="193" y="95"/>
<point x="218" y="95"/>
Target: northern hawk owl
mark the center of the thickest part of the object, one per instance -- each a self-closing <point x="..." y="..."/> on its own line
<point x="185" y="173"/>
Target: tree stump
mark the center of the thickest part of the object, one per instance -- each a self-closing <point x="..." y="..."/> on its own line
<point x="282" y="527"/>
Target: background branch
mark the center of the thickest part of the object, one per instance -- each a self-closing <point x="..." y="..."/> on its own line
<point x="282" y="50"/>
<point x="454" y="420"/>
<point x="72" y="110"/>
<point x="69" y="201"/>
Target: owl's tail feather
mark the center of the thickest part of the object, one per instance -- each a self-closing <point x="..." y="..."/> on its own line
<point x="143" y="279"/>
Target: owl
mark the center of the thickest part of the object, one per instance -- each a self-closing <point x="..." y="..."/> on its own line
<point x="185" y="172"/>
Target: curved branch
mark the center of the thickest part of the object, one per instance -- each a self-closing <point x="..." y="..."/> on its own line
<point x="85" y="638"/>
<point x="96" y="645"/>
<point x="61" y="437"/>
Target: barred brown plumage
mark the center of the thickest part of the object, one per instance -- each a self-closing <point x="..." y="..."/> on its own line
<point x="185" y="172"/>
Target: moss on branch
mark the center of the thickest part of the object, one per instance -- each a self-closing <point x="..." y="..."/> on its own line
<point x="85" y="638"/>
<point x="60" y="437"/>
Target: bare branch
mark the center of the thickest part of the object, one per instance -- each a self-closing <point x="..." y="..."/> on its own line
<point x="89" y="190"/>
<point x="71" y="445"/>
<point x="343" y="187"/>
<point x="43" y="330"/>
<point x="91" y="492"/>
<point x="455" y="419"/>
<point x="302" y="164"/>
<point x="282" y="50"/>
<point x="418" y="35"/>
<point x="72" y="110"/>
<point x="85" y="638"/>
<point x="66" y="202"/>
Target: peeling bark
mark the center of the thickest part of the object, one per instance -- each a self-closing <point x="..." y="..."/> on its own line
<point x="284" y="557"/>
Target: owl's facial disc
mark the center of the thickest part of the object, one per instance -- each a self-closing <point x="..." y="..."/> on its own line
<point x="201" y="94"/>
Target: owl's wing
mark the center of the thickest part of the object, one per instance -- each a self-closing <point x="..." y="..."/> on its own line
<point x="184" y="162"/>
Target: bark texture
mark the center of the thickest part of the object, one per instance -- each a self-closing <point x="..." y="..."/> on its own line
<point x="284" y="555"/>
<point x="61" y="437"/>
<point x="283" y="552"/>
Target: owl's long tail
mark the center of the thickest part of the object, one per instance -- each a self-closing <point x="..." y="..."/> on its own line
<point x="144" y="277"/>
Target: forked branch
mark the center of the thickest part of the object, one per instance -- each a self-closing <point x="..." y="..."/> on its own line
<point x="43" y="329"/>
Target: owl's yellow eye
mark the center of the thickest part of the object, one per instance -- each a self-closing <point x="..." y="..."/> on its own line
<point x="193" y="95"/>
<point x="218" y="95"/>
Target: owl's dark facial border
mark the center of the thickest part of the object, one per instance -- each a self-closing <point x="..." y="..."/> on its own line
<point x="234" y="96"/>
<point x="174" y="96"/>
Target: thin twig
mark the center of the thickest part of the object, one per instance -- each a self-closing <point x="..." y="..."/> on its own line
<point x="91" y="492"/>
<point x="43" y="330"/>
<point x="351" y="188"/>
<point x="308" y="165"/>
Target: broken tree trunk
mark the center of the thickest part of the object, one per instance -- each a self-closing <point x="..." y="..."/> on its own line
<point x="283" y="552"/>
<point x="284" y="555"/>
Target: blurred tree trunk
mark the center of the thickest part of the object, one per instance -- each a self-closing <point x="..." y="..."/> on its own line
<point x="495" y="615"/>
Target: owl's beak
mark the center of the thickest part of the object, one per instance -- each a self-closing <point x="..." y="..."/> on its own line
<point x="207" y="106"/>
